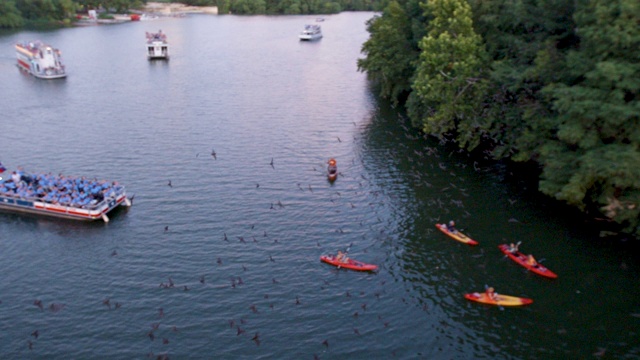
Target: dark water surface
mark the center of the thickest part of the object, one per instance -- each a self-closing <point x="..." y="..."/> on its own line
<point x="246" y="87"/>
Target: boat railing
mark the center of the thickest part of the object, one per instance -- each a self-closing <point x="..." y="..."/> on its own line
<point x="118" y="191"/>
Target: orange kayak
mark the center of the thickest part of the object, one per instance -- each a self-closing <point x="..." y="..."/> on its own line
<point x="349" y="264"/>
<point x="456" y="235"/>
<point x="499" y="300"/>
<point x="521" y="259"/>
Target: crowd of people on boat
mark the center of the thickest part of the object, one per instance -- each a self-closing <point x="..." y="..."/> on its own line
<point x="159" y="36"/>
<point x="64" y="190"/>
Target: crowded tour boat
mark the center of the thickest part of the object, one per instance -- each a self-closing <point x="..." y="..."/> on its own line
<point x="40" y="60"/>
<point x="69" y="197"/>
<point x="157" y="46"/>
<point x="311" y="32"/>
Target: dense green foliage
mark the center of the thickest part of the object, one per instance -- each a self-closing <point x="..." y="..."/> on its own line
<point x="16" y="13"/>
<point x="553" y="83"/>
<point x="10" y="16"/>
<point x="290" y="7"/>
<point x="287" y="7"/>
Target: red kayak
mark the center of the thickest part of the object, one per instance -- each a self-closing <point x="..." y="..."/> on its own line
<point x="521" y="259"/>
<point x="348" y="264"/>
<point x="499" y="300"/>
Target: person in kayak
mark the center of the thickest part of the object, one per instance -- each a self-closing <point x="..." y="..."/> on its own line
<point x="531" y="261"/>
<point x="341" y="257"/>
<point x="513" y="248"/>
<point x="491" y="293"/>
<point x="451" y="227"/>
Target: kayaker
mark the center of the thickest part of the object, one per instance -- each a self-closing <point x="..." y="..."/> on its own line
<point x="491" y="293"/>
<point x="451" y="227"/>
<point x="531" y="260"/>
<point x="342" y="257"/>
<point x="513" y="248"/>
<point x="333" y="167"/>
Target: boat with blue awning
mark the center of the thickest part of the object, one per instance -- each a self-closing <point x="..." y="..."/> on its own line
<point x="77" y="198"/>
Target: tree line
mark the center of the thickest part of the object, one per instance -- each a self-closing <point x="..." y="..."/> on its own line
<point x="287" y="7"/>
<point x="18" y="13"/>
<point x="554" y="84"/>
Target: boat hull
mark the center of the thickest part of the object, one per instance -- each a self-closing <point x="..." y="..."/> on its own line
<point x="500" y="300"/>
<point x="457" y="235"/>
<point x="304" y="37"/>
<point x="98" y="212"/>
<point x="521" y="259"/>
<point x="350" y="264"/>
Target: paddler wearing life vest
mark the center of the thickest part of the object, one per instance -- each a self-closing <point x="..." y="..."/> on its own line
<point x="531" y="261"/>
<point x="451" y="227"/>
<point x="333" y="166"/>
<point x="491" y="293"/>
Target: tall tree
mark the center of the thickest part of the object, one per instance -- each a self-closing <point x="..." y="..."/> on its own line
<point x="526" y="41"/>
<point x="450" y="85"/>
<point x="390" y="54"/>
<point x="594" y="158"/>
<point x="10" y="16"/>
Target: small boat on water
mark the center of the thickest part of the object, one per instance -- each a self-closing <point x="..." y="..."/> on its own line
<point x="348" y="263"/>
<point x="77" y="198"/>
<point x="40" y="60"/>
<point x="332" y="170"/>
<point x="157" y="46"/>
<point x="523" y="260"/>
<point x="498" y="299"/>
<point x="457" y="235"/>
<point x="310" y="33"/>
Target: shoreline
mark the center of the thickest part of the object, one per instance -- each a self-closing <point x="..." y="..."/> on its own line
<point x="150" y="11"/>
<point x="177" y="9"/>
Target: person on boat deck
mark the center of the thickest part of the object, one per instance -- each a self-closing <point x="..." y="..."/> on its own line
<point x="531" y="260"/>
<point x="451" y="227"/>
<point x="491" y="293"/>
<point x="16" y="177"/>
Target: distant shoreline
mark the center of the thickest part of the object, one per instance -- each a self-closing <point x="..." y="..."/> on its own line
<point x="158" y="8"/>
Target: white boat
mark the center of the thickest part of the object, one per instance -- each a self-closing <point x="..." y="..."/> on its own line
<point x="61" y="196"/>
<point x="40" y="60"/>
<point x="311" y="32"/>
<point x="157" y="46"/>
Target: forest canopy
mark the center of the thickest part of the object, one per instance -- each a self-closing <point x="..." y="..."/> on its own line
<point x="554" y="84"/>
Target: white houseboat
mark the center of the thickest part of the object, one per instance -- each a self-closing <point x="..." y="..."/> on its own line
<point x="40" y="60"/>
<point x="157" y="46"/>
<point x="311" y="32"/>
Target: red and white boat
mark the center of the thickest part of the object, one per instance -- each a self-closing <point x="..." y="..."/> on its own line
<point x="40" y="60"/>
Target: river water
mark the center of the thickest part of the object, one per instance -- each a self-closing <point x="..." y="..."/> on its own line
<point x="274" y="110"/>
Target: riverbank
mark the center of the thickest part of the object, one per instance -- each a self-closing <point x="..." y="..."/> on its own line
<point x="150" y="11"/>
<point x="173" y="9"/>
